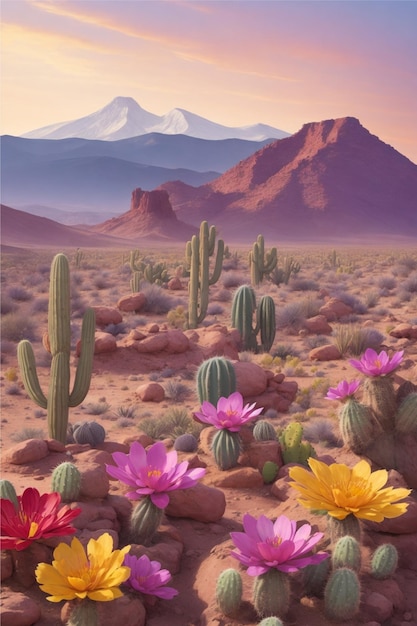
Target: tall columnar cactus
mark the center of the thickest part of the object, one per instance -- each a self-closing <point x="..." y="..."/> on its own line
<point x="216" y="378"/>
<point x="243" y="310"/>
<point x="136" y="265"/>
<point x="358" y="425"/>
<point x="294" y="450"/>
<point x="347" y="553"/>
<point x="384" y="561"/>
<point x="135" y="282"/>
<point x="198" y="252"/>
<point x="66" y="480"/>
<point x="271" y="594"/>
<point x="229" y="591"/>
<point x="261" y="264"/>
<point x="342" y="594"/>
<point x="226" y="448"/>
<point x="59" y="398"/>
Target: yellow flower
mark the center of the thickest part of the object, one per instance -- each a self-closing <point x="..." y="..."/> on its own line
<point x="342" y="491"/>
<point x="74" y="573"/>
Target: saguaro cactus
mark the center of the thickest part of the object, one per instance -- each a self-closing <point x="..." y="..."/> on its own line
<point x="243" y="309"/>
<point x="198" y="252"/>
<point x="59" y="398"/>
<point x="260" y="264"/>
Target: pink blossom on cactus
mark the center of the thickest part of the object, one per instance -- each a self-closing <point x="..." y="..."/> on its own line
<point x="230" y="414"/>
<point x="373" y="364"/>
<point x="147" y="577"/>
<point x="277" y="545"/>
<point x="153" y="473"/>
<point x="343" y="390"/>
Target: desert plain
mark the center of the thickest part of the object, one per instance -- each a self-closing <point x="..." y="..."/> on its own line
<point x="378" y="286"/>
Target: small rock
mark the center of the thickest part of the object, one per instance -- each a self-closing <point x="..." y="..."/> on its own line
<point x="134" y="302"/>
<point x="26" y="452"/>
<point x="201" y="503"/>
<point x="151" y="392"/>
<point x="324" y="353"/>
<point x="378" y="606"/>
<point x="18" y="610"/>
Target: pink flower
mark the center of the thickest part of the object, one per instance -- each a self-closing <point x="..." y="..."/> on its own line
<point x="147" y="577"/>
<point x="343" y="390"/>
<point x="230" y="414"/>
<point x="373" y="364"/>
<point x="153" y="473"/>
<point x="266" y="545"/>
<point x="37" y="517"/>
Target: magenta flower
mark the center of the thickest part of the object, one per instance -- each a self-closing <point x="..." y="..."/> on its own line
<point x="230" y="414"/>
<point x="373" y="364"/>
<point x="153" y="473"/>
<point x="266" y="545"/>
<point x="147" y="577"/>
<point x="343" y="390"/>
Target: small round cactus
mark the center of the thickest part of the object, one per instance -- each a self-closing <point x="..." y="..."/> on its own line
<point x="342" y="594"/>
<point x="384" y="561"/>
<point x="8" y="492"/>
<point x="264" y="431"/>
<point x="66" y="480"/>
<point x="271" y="593"/>
<point x="229" y="591"/>
<point x="186" y="443"/>
<point x="269" y="471"/>
<point x="347" y="553"/>
<point x="82" y="613"/>
<point x="226" y="448"/>
<point x="89" y="432"/>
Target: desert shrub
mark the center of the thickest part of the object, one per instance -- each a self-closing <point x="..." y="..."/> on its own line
<point x="177" y="317"/>
<point x="126" y="412"/>
<point x="303" y="284"/>
<point x="321" y="431"/>
<point x="233" y="279"/>
<point x="101" y="281"/>
<point x="116" y="329"/>
<point x="13" y="390"/>
<point x="77" y="279"/>
<point x="410" y="285"/>
<point x="176" y="391"/>
<point x="315" y="341"/>
<point x="223" y="295"/>
<point x="7" y="347"/>
<point x="19" y="294"/>
<point x="10" y="374"/>
<point x="40" y="305"/>
<point x="17" y="327"/>
<point x="174" y="423"/>
<point x="8" y="305"/>
<point x="27" y="433"/>
<point x="124" y="422"/>
<point x="291" y="316"/>
<point x="158" y="301"/>
<point x="371" y="298"/>
<point x="283" y="350"/>
<point x="215" y="309"/>
<point x="97" y="408"/>
<point x="386" y="283"/>
<point x="354" y="340"/>
<point x="351" y="300"/>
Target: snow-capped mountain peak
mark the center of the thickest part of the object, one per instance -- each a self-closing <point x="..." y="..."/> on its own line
<point x="123" y="118"/>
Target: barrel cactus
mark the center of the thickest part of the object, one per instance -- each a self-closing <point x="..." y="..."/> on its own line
<point x="226" y="448"/>
<point x="216" y="378"/>
<point x="144" y="521"/>
<point x="384" y="561"/>
<point x="186" y="443"/>
<point x="229" y="591"/>
<point x="66" y="480"/>
<point x="264" y="431"/>
<point x="89" y="432"/>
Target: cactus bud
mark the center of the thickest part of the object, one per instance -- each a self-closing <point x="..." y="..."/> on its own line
<point x="384" y="561"/>
<point x="66" y="480"/>
<point x="342" y="595"/>
<point x="229" y="591"/>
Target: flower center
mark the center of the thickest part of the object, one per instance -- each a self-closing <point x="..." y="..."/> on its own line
<point x="377" y="363"/>
<point x="154" y="473"/>
<point x="33" y="529"/>
<point x="274" y="541"/>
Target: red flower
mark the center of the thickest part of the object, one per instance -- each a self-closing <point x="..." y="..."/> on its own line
<point x="37" y="517"/>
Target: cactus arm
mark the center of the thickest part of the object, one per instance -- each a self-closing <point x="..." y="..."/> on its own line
<point x="193" y="283"/>
<point x="27" y="365"/>
<point x="85" y="363"/>
<point x="219" y="263"/>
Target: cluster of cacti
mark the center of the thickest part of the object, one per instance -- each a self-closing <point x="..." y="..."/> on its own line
<point x="197" y="253"/>
<point x="229" y="589"/>
<point x="264" y="431"/>
<point x="149" y="272"/>
<point x="271" y="594"/>
<point x="216" y="378"/>
<point x="66" y="480"/>
<point x="59" y="398"/>
<point x="261" y="264"/>
<point x="89" y="432"/>
<point x="294" y="450"/>
<point x="145" y="520"/>
<point x="226" y="448"/>
<point x="243" y="312"/>
<point x="8" y="492"/>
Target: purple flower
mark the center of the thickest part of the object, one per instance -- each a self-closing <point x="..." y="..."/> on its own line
<point x="266" y="545"/>
<point x="147" y="577"/>
<point x="153" y="473"/>
<point x="373" y="364"/>
<point x="343" y="390"/>
<point x="230" y="414"/>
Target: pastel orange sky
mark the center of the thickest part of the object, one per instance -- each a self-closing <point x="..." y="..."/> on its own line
<point x="283" y="63"/>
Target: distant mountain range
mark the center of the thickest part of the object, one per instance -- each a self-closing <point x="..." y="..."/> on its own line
<point x="123" y="118"/>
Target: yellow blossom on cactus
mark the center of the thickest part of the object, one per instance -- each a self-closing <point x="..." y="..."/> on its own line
<point x="342" y="491"/>
<point x="75" y="573"/>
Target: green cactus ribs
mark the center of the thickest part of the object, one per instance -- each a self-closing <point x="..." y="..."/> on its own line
<point x="243" y="311"/>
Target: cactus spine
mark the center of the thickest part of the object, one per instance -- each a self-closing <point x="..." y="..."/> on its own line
<point x="261" y="264"/>
<point x="264" y="431"/>
<point x="84" y="612"/>
<point x="384" y="561"/>
<point x="342" y="594"/>
<point x="216" y="378"/>
<point x="347" y="553"/>
<point x="226" y="448"/>
<point x="8" y="492"/>
<point x="379" y="395"/>
<point x="271" y="593"/>
<point x="293" y="450"/>
<point x="357" y="424"/>
<point x="406" y="419"/>
<point x="66" y="480"/>
<point x="144" y="521"/>
<point x="198" y="251"/>
<point x="341" y="527"/>
<point x="59" y="398"/>
<point x="229" y="591"/>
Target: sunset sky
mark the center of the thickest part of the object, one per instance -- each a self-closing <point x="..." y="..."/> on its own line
<point x="283" y="63"/>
